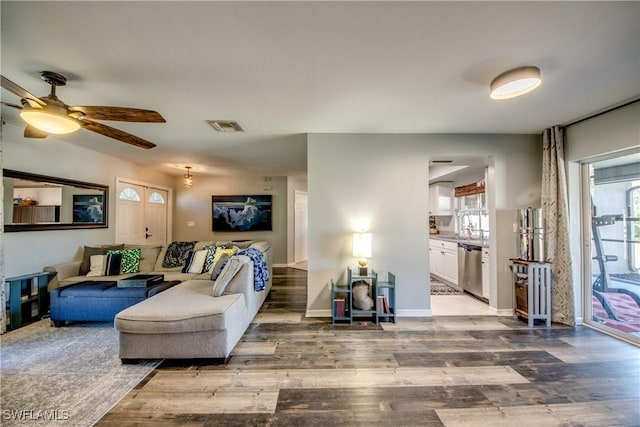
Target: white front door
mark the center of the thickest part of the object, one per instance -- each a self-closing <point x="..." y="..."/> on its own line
<point x="142" y="213"/>
<point x="156" y="216"/>
<point x="130" y="213"/>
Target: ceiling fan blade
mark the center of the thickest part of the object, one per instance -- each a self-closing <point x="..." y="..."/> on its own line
<point x="8" y="104"/>
<point x="19" y="91"/>
<point x="32" y="132"/>
<point x="121" y="114"/>
<point x="115" y="134"/>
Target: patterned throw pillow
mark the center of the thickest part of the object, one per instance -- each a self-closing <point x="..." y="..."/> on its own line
<point x="130" y="260"/>
<point x="208" y="261"/>
<point x="195" y="261"/>
<point x="176" y="254"/>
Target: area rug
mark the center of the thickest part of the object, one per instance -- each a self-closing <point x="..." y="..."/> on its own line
<point x="63" y="376"/>
<point x="439" y="288"/>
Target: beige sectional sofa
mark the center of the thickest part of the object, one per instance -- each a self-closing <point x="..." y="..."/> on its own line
<point x="196" y="319"/>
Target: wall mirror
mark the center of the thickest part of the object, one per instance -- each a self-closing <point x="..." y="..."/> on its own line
<point x="38" y="202"/>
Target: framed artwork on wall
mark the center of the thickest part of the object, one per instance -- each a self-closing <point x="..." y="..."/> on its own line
<point x="241" y="213"/>
<point x="88" y="208"/>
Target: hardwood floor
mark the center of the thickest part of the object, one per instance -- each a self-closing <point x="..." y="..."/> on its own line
<point x="451" y="371"/>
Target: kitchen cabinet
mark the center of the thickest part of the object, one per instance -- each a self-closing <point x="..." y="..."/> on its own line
<point x="443" y="260"/>
<point x="35" y="214"/>
<point x="485" y="272"/>
<point x="441" y="199"/>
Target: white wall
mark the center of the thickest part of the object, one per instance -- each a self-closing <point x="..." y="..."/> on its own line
<point x="615" y="132"/>
<point x="194" y="205"/>
<point x="29" y="251"/>
<point x="382" y="180"/>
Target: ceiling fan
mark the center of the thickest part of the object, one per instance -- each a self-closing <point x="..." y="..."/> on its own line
<point x="49" y="115"/>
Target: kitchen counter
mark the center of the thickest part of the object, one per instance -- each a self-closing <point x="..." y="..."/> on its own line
<point x="459" y="239"/>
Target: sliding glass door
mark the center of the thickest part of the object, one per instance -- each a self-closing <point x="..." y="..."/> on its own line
<point x="612" y="212"/>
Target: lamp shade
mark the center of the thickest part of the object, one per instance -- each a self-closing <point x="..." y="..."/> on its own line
<point x="49" y="121"/>
<point x="362" y="245"/>
<point x="515" y="82"/>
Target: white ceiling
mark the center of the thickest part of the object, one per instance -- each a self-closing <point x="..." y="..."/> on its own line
<point x="282" y="69"/>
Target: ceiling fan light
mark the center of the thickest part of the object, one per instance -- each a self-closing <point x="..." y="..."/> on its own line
<point x="48" y="121"/>
<point x="515" y="82"/>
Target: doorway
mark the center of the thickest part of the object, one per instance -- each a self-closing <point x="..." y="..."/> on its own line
<point x="460" y="206"/>
<point x="612" y="261"/>
<point x="142" y="213"/>
<point x="300" y="229"/>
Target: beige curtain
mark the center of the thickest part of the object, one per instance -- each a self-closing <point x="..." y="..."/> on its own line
<point x="556" y="217"/>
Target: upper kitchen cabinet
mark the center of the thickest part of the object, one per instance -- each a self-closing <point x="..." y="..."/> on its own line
<point x="441" y="200"/>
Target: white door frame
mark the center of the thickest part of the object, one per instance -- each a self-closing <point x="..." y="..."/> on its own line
<point x="122" y="180"/>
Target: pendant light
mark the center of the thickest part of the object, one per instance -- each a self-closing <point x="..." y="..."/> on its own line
<point x="187" y="181"/>
<point x="515" y="82"/>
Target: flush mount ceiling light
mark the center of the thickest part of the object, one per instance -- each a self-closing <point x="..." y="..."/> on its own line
<point x="187" y="181"/>
<point x="515" y="82"/>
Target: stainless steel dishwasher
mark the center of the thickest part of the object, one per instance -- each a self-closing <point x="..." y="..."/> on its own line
<point x="470" y="268"/>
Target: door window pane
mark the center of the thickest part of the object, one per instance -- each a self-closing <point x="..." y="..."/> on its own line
<point x="615" y="237"/>
<point x="156" y="197"/>
<point x="130" y="194"/>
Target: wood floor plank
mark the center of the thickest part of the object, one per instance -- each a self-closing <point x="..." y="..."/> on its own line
<point x="209" y="400"/>
<point x="605" y="413"/>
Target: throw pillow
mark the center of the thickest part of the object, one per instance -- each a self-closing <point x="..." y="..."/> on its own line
<point x="220" y="251"/>
<point x="361" y="298"/>
<point x="105" y="265"/>
<point x="176" y="254"/>
<point x="208" y="262"/>
<point x="228" y="273"/>
<point x="195" y="261"/>
<point x="148" y="256"/>
<point x="215" y="272"/>
<point x="85" y="265"/>
<point x="130" y="259"/>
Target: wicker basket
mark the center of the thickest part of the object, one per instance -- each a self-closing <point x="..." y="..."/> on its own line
<point x="28" y="201"/>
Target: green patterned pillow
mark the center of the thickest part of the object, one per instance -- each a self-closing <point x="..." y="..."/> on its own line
<point x="130" y="260"/>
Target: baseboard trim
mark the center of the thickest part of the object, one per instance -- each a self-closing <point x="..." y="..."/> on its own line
<point x="281" y="265"/>
<point x="318" y="313"/>
<point x="414" y="313"/>
<point x="502" y="312"/>
<point x="400" y="313"/>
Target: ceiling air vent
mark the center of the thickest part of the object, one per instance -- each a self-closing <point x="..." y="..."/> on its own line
<point x="225" y="125"/>
<point x="441" y="161"/>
